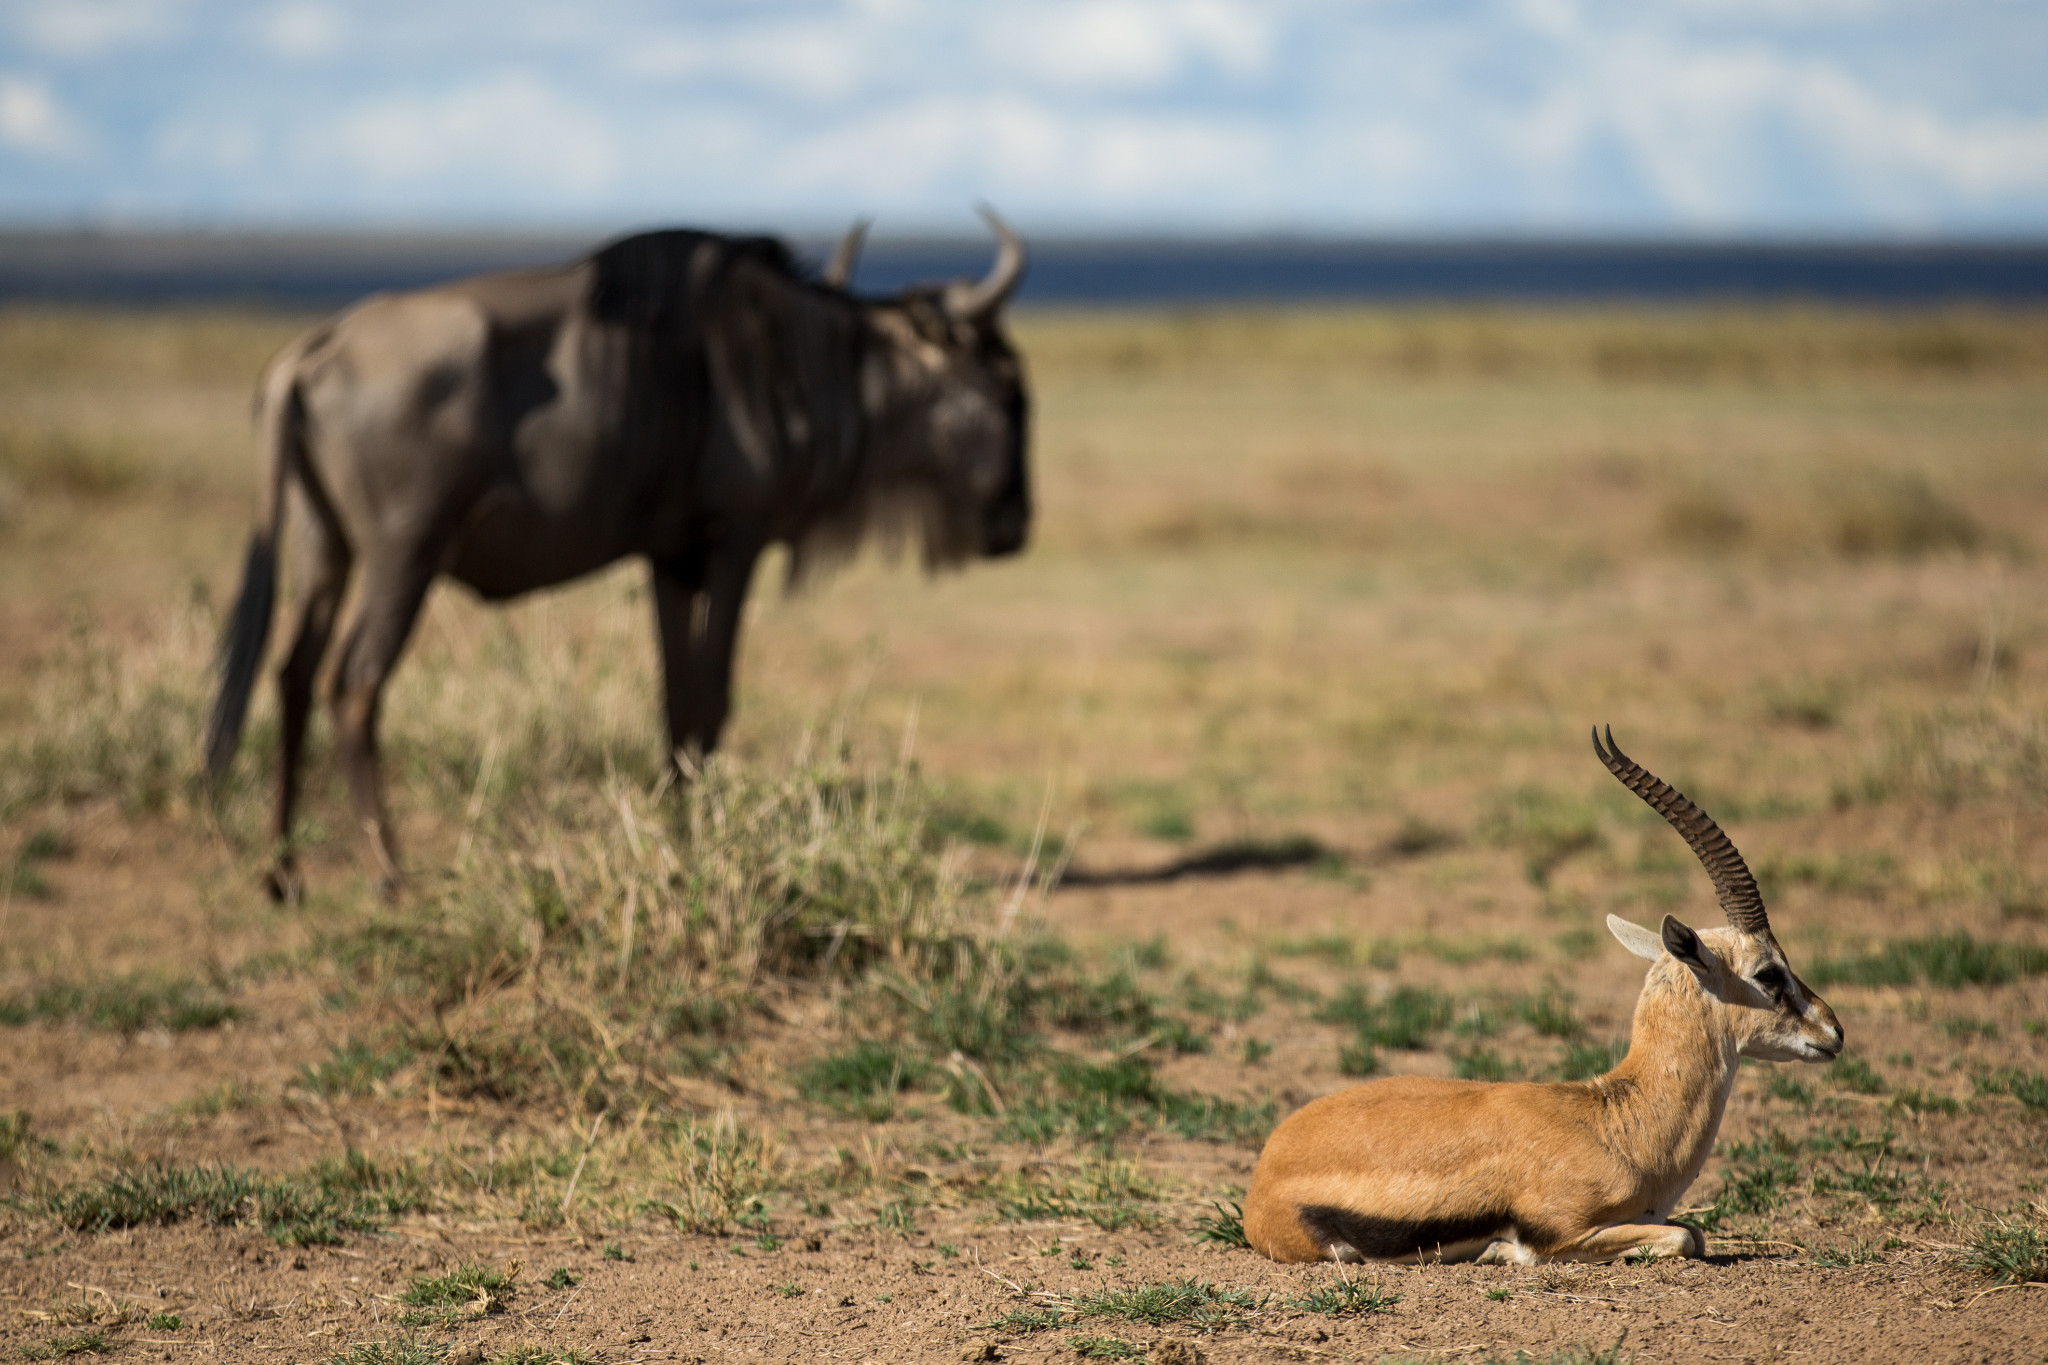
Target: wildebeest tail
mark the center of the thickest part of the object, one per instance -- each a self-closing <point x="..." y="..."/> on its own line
<point x="243" y="643"/>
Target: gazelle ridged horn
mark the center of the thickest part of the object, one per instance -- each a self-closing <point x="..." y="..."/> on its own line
<point x="1733" y="884"/>
<point x="838" y="271"/>
<point x="972" y="302"/>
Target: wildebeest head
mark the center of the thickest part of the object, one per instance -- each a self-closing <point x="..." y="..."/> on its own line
<point x="950" y="412"/>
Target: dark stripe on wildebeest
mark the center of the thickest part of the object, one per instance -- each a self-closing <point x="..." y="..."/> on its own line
<point x="682" y="397"/>
<point x="1383" y="1238"/>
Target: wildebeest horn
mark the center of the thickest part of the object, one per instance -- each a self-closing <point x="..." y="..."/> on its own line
<point x="971" y="302"/>
<point x="1733" y="884"/>
<point x="838" y="271"/>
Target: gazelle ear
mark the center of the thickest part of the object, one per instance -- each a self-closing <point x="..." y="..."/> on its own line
<point x="1634" y="937"/>
<point x="1683" y="943"/>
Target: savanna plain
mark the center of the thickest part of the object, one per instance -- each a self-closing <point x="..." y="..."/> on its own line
<point x="942" y="1016"/>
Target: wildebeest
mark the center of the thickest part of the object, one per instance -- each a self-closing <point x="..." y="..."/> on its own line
<point x="685" y="396"/>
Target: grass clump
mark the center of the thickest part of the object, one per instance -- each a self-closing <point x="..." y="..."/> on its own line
<point x="2010" y="1251"/>
<point x="1100" y="1102"/>
<point x="1344" y="1297"/>
<point x="624" y="939"/>
<point x="1105" y="1348"/>
<point x="1783" y="1085"/>
<point x="313" y="1208"/>
<point x="126" y="1004"/>
<point x="1191" y="1302"/>
<point x="1758" y="1176"/>
<point x="1852" y="1073"/>
<point x="1112" y="1197"/>
<point x="1550" y="1013"/>
<point x="2030" y="1088"/>
<point x="406" y="1350"/>
<point x="1948" y="961"/>
<point x="1223" y="1227"/>
<point x="720" y="1171"/>
<point x="1587" y="1060"/>
<point x="1196" y="1303"/>
<point x="1404" y="1018"/>
<point x="1483" y="1064"/>
<point x="863" y="1080"/>
<point x="91" y="1341"/>
<point x="468" y="1291"/>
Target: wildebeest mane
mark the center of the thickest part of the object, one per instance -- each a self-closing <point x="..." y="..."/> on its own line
<point x="733" y="323"/>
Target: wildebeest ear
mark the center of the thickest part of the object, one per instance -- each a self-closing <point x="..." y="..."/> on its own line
<point x="1683" y="943"/>
<point x="1644" y="943"/>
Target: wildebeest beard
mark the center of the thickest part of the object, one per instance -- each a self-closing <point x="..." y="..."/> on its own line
<point x="788" y="358"/>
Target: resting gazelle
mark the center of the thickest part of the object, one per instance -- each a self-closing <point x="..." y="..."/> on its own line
<point x="1413" y="1168"/>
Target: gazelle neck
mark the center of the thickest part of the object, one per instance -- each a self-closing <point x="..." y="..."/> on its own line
<point x="1666" y="1098"/>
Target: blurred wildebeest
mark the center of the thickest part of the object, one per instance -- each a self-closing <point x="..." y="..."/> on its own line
<point x="681" y="395"/>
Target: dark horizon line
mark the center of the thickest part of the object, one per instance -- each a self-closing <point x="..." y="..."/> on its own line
<point x="882" y="238"/>
<point x="331" y="268"/>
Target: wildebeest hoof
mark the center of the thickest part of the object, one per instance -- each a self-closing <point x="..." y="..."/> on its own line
<point x="284" y="885"/>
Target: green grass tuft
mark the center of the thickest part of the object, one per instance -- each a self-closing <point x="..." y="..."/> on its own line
<point x="1197" y="1303"/>
<point x="1852" y="1073"/>
<point x="1587" y="1060"/>
<point x="1345" y="1297"/>
<point x="2030" y="1088"/>
<point x="1483" y="1064"/>
<point x="863" y="1080"/>
<point x="1112" y="1196"/>
<point x="2010" y="1252"/>
<point x="466" y="1291"/>
<point x="1224" y="1227"/>
<point x="392" y="1351"/>
<point x="91" y="1341"/>
<point x="1947" y="961"/>
<point x="126" y="1004"/>
<point x="1550" y="1013"/>
<point x="314" y="1207"/>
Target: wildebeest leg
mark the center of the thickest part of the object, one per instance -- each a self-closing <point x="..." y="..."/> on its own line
<point x="730" y="570"/>
<point x="678" y="584"/>
<point x="697" y="602"/>
<point x="395" y="583"/>
<point x="319" y="573"/>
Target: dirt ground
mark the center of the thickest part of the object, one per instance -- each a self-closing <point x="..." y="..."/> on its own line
<point x="1289" y="582"/>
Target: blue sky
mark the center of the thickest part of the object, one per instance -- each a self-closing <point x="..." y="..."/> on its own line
<point x="1790" y="117"/>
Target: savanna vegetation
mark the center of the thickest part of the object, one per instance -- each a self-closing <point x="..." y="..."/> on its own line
<point x="948" y="1008"/>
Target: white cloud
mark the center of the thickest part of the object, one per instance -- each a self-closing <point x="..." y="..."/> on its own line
<point x="303" y="31"/>
<point x="822" y="61"/>
<point x="1599" y="115"/>
<point x="31" y="120"/>
<point x="90" y="28"/>
<point x="1129" y="44"/>
<point x="512" y="129"/>
<point x="1709" y="126"/>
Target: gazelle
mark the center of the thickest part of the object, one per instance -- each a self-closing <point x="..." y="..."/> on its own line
<point x="1418" y="1169"/>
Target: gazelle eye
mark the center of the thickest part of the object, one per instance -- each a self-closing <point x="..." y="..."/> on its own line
<point x="1772" y="979"/>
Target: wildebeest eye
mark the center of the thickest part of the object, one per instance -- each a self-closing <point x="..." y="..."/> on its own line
<point x="1771" y="977"/>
